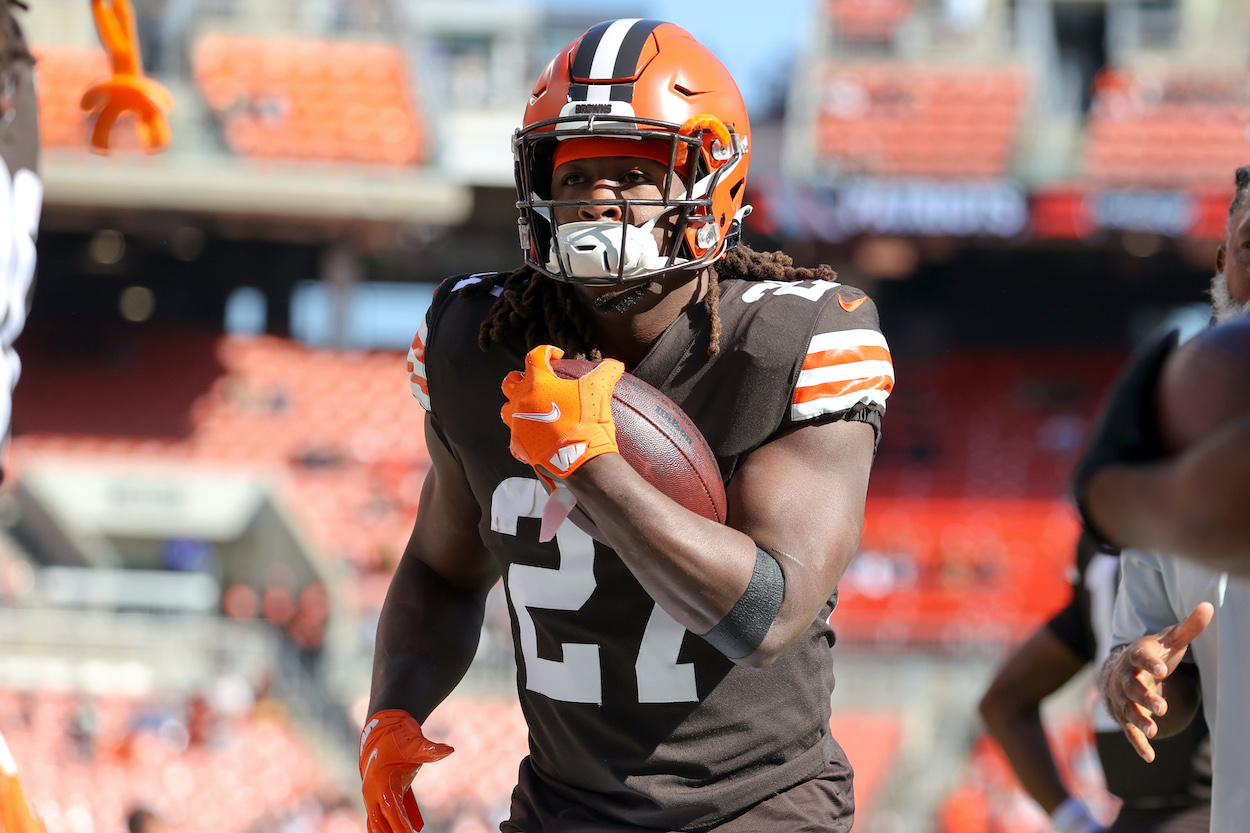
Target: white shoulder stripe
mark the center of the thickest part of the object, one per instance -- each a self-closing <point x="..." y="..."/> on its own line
<point x="845" y="372"/>
<point x="837" y="404"/>
<point x="472" y="279"/>
<point x="846" y="339"/>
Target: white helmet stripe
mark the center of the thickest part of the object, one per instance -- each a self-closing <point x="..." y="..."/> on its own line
<point x="604" y="63"/>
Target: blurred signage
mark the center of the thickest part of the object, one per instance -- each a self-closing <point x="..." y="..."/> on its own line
<point x="1074" y="211"/>
<point x="939" y="208"/>
<point x="1169" y="213"/>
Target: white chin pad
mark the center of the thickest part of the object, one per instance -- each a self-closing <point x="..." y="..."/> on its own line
<point x="593" y="250"/>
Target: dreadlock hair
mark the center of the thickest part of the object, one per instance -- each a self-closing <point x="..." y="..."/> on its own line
<point x="551" y="312"/>
<point x="1241" y="197"/>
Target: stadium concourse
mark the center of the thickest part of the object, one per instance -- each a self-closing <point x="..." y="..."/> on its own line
<point x="208" y="495"/>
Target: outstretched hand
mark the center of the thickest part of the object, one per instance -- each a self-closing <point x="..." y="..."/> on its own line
<point x="1134" y="682"/>
<point x="128" y="90"/>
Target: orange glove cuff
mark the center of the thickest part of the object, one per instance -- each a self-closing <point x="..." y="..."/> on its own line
<point x="392" y="749"/>
<point x="556" y="423"/>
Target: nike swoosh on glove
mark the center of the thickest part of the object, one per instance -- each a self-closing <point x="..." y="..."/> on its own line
<point x="1127" y="429"/>
<point x="392" y="749"/>
<point x="558" y="424"/>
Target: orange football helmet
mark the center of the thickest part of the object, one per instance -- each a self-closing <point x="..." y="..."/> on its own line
<point x="638" y="80"/>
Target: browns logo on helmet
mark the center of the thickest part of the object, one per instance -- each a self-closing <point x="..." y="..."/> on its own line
<point x="646" y="82"/>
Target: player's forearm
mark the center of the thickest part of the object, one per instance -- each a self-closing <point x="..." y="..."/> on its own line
<point x="1018" y="729"/>
<point x="1194" y="505"/>
<point x="427" y="636"/>
<point x="694" y="568"/>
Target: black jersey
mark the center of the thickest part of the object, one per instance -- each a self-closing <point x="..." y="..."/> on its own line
<point x="631" y="717"/>
<point x="1181" y="772"/>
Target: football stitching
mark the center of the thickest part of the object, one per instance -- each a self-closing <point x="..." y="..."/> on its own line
<point x="693" y="429"/>
<point x="679" y="450"/>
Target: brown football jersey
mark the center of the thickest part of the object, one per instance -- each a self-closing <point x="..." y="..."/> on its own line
<point x="635" y="722"/>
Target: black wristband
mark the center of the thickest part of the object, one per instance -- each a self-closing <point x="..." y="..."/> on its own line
<point x="744" y="627"/>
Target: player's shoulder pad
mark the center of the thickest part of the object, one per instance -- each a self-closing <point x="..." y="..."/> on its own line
<point x="802" y="308"/>
<point x="446" y="317"/>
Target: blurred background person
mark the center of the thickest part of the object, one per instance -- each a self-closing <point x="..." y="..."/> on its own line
<point x="1173" y="794"/>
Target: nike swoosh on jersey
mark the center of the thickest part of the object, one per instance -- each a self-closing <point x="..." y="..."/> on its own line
<point x="853" y="305"/>
<point x="550" y="416"/>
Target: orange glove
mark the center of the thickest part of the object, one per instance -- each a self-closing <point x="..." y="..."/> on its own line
<point x="556" y="423"/>
<point x="128" y="89"/>
<point x="16" y="814"/>
<point x="392" y="749"/>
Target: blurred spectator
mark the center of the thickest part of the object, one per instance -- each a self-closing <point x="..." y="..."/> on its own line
<point x="83" y="728"/>
<point x="143" y="819"/>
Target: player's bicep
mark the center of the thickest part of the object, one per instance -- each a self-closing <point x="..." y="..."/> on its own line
<point x="445" y="536"/>
<point x="801" y="498"/>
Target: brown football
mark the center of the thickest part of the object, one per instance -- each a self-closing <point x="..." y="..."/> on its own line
<point x="660" y="442"/>
<point x="1205" y="383"/>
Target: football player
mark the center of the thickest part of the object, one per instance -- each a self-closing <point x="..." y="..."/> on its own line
<point x="680" y="678"/>
<point x="1172" y="795"/>
<point x="1179" y="625"/>
<point x="126" y="90"/>
<point x="23" y="199"/>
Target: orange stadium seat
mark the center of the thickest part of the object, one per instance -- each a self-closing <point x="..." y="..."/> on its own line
<point x="968" y="534"/>
<point x="949" y="122"/>
<point x="88" y="774"/>
<point x="279" y="97"/>
<point x="870" y="740"/>
<point x="342" y="425"/>
<point x="1180" y="129"/>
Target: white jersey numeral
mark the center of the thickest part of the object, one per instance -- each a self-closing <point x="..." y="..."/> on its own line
<point x="811" y="290"/>
<point x="578" y="678"/>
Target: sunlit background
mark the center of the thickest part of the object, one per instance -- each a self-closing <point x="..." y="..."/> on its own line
<point x="216" y="459"/>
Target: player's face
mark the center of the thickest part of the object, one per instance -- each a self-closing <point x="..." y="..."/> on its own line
<point x="618" y="178"/>
<point x="1235" y="258"/>
<point x="1230" y="286"/>
<point x="614" y="178"/>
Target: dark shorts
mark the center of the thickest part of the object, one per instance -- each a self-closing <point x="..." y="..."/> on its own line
<point x="1196" y="819"/>
<point x="824" y="804"/>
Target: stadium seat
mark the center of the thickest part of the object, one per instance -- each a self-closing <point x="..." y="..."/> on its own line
<point x="279" y="97"/>
<point x="126" y="752"/>
<point x="945" y="122"/>
<point x="1176" y="130"/>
